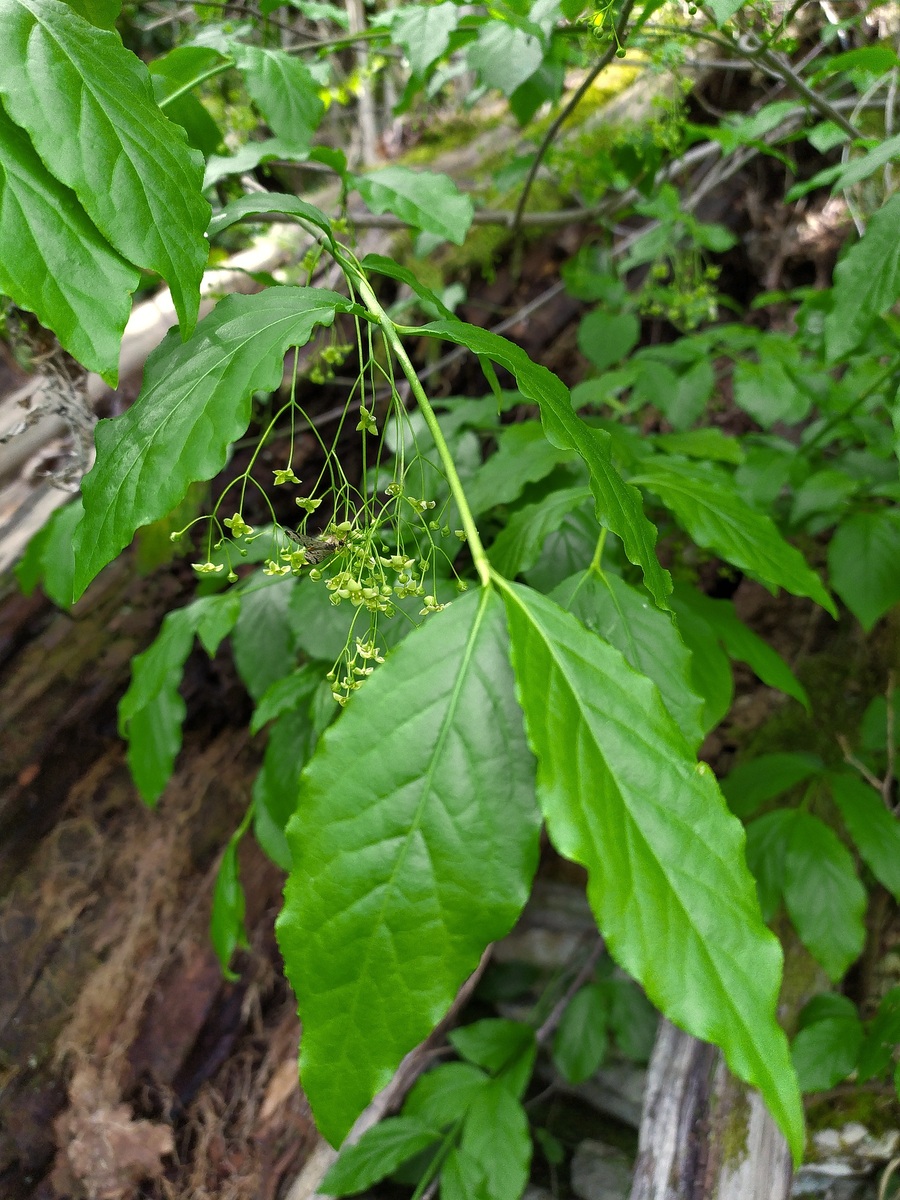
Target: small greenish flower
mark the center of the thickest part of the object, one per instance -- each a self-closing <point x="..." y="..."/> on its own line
<point x="307" y="503"/>
<point x="208" y="568"/>
<point x="394" y="489"/>
<point x="431" y="606"/>
<point x="232" y="577"/>
<point x="273" y="568"/>
<point x="367" y="423"/>
<point x="460" y="533"/>
<point x="237" y="525"/>
<point x="285" y="476"/>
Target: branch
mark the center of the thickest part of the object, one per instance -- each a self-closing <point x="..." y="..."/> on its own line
<point x="565" y="112"/>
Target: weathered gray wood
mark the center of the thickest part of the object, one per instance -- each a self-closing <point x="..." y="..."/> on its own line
<point x="704" y="1135"/>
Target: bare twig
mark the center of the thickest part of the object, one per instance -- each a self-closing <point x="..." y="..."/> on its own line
<point x="567" y="109"/>
<point x="850" y="758"/>
<point x="548" y="1028"/>
<point x="887" y="784"/>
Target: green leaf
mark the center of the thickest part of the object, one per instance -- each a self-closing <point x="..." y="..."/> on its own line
<point x="666" y="875"/>
<point x="386" y="266"/>
<point x="882" y="1038"/>
<point x="257" y="203"/>
<point x="866" y="282"/>
<point x="424" y="32"/>
<point x="505" y="1048"/>
<point x="49" y="559"/>
<point x="283" y="90"/>
<point x="581" y="1040"/>
<point x="286" y="694"/>
<point x="518" y="545"/>
<point x="858" y="169"/>
<point x="462" y="1178"/>
<point x="423" y="199"/>
<point x="249" y="156"/>
<point x="102" y="13"/>
<point x="414" y="845"/>
<point x="442" y="1096"/>
<point x="632" y="1019"/>
<point x="711" y="444"/>
<point x="823" y="895"/>
<point x="710" y="671"/>
<point x="218" y="615"/>
<point x="378" y="1153"/>
<point x="151" y="712"/>
<point x="766" y="391"/>
<point x="195" y="401"/>
<point x="523" y="456"/>
<point x="604" y="338"/>
<point x="752" y="783"/>
<point x="185" y="67"/>
<point x="292" y="740"/>
<point x="706" y="505"/>
<point x="826" y="1050"/>
<point x="766" y="846"/>
<point x="864" y="564"/>
<point x="63" y="269"/>
<point x="496" y="1138"/>
<point x="226" y="926"/>
<point x="263" y="639"/>
<point x="742" y="643"/>
<point x="723" y="10"/>
<point x="874" y="829"/>
<point x="88" y="106"/>
<point x="504" y="56"/>
<point x="619" y="507"/>
<point x="647" y="637"/>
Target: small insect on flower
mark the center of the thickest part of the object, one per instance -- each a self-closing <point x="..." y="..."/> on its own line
<point x="317" y="548"/>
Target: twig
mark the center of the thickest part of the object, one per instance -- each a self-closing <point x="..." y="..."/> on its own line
<point x="548" y="1028"/>
<point x="887" y="784"/>
<point x="566" y="111"/>
<point x="851" y="759"/>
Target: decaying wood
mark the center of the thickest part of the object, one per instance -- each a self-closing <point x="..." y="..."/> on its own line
<point x="704" y="1135"/>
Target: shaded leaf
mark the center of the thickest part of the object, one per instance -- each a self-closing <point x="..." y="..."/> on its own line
<point x="151" y="712"/>
<point x="874" y="829"/>
<point x="825" y="1051"/>
<point x="882" y="1038"/>
<point x="496" y="1138"/>
<point x="604" y="338"/>
<point x="226" y="925"/>
<point x="581" y="1040"/>
<point x="518" y="544"/>
<point x="763" y="778"/>
<point x="822" y="894"/>
<point x="442" y="1096"/>
<point x="523" y="456"/>
<point x="666" y="875"/>
<point x="864" y="564"/>
<point x="263" y="639"/>
<point x="414" y="845"/>
<point x="378" y="1152"/>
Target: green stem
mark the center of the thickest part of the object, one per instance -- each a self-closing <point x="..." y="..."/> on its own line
<point x="480" y="559"/>
<point x="598" y="553"/>
<point x="857" y="404"/>
<point x="219" y="69"/>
